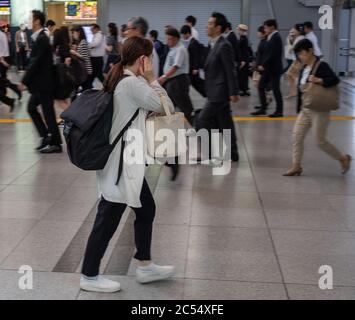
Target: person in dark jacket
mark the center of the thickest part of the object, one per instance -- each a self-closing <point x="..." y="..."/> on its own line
<point x="40" y="81"/>
<point x="244" y="58"/>
<point x="194" y="49"/>
<point x="232" y="38"/>
<point x="271" y="69"/>
<point x="221" y="83"/>
<point x="307" y="118"/>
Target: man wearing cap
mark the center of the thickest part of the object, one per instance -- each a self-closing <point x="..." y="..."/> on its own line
<point x="244" y="50"/>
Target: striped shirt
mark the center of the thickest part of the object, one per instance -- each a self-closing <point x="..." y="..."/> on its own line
<point x="84" y="51"/>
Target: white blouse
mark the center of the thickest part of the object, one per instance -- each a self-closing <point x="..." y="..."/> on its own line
<point x="131" y="94"/>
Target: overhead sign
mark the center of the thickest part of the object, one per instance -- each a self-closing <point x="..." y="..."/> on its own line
<point x="5" y="7"/>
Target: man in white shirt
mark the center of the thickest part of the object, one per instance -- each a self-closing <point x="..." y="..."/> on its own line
<point x="191" y="21"/>
<point x="310" y="35"/>
<point x="138" y="27"/>
<point x="97" y="50"/>
<point x="176" y="74"/>
<point x="4" y="65"/>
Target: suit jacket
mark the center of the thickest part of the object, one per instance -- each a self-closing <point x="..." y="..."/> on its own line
<point x="220" y="74"/>
<point x="272" y="59"/>
<point x="194" y="53"/>
<point x="261" y="52"/>
<point x="232" y="38"/>
<point x="40" y="76"/>
<point x="244" y="49"/>
<point x="324" y="72"/>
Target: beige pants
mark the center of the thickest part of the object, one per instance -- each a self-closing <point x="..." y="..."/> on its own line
<point x="320" y="122"/>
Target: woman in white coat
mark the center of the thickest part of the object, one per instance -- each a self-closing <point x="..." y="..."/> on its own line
<point x="135" y="89"/>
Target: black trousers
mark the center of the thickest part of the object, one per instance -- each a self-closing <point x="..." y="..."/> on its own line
<point x="198" y="84"/>
<point x="218" y="116"/>
<point x="49" y="128"/>
<point x="97" y="68"/>
<point x="107" y="220"/>
<point x="3" y="98"/>
<point x="178" y="91"/>
<point x="8" y="83"/>
<point x="266" y="80"/>
<point x="21" y="58"/>
<point x="243" y="76"/>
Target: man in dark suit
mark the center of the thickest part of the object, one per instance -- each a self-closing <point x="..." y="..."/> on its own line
<point x="233" y="40"/>
<point x="40" y="81"/>
<point x="271" y="70"/>
<point x="221" y="82"/>
<point x="194" y="49"/>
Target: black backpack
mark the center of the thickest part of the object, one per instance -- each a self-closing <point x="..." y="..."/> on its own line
<point x="87" y="127"/>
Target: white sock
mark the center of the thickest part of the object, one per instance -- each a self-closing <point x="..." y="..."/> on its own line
<point x="90" y="278"/>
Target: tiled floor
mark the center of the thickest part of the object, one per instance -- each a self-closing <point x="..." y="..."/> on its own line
<point x="252" y="234"/>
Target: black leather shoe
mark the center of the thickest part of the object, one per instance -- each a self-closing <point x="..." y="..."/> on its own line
<point x="261" y="112"/>
<point x="176" y="169"/>
<point x="51" y="149"/>
<point x="44" y="143"/>
<point x="12" y="105"/>
<point x="276" y="115"/>
<point x="258" y="107"/>
<point x="235" y="157"/>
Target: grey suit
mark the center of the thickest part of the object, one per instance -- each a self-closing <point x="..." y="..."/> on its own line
<point x="221" y="83"/>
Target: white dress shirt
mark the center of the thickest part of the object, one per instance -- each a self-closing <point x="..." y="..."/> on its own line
<point x="194" y="33"/>
<point x="131" y="94"/>
<point x="178" y="56"/>
<point x="313" y="38"/>
<point x="4" y="45"/>
<point x="98" y="45"/>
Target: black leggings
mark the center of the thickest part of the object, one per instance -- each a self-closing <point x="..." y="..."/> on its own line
<point x="107" y="220"/>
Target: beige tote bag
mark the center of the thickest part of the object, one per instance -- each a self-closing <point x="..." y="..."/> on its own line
<point x="165" y="134"/>
<point x="318" y="98"/>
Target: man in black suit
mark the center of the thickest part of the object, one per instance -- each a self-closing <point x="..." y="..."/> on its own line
<point x="232" y="38"/>
<point x="194" y="49"/>
<point x="271" y="70"/>
<point x="221" y="82"/>
<point x="40" y="81"/>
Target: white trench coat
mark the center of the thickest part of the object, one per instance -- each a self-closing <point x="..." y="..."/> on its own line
<point x="131" y="94"/>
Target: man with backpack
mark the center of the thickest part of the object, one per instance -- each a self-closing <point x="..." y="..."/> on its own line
<point x="196" y="53"/>
<point x="40" y="81"/>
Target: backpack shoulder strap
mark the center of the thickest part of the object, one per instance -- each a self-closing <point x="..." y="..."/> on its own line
<point x="129" y="123"/>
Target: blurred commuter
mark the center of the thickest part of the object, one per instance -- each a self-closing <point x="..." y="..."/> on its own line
<point x="196" y="63"/>
<point x="176" y="74"/>
<point x="5" y="64"/>
<point x="133" y="97"/>
<point x="138" y="27"/>
<point x="192" y="21"/>
<point x="112" y="49"/>
<point x="310" y="35"/>
<point x="81" y="50"/>
<point x="22" y="47"/>
<point x="295" y="68"/>
<point x="244" y="57"/>
<point x="317" y="73"/>
<point x="271" y="70"/>
<point x="50" y="27"/>
<point x="288" y="48"/>
<point x="97" y="47"/>
<point x="40" y="81"/>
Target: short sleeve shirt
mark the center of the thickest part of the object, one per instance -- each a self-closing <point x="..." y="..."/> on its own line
<point x="178" y="56"/>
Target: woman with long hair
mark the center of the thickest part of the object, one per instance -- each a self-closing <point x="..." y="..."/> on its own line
<point x="112" y="47"/>
<point x="136" y="92"/>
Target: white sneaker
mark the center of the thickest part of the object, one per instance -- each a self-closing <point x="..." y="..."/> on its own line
<point x="101" y="284"/>
<point x="153" y="273"/>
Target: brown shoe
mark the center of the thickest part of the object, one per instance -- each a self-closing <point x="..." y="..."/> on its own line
<point x="294" y="172"/>
<point x="346" y="164"/>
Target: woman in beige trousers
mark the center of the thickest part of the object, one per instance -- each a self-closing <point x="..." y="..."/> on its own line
<point x="307" y="118"/>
